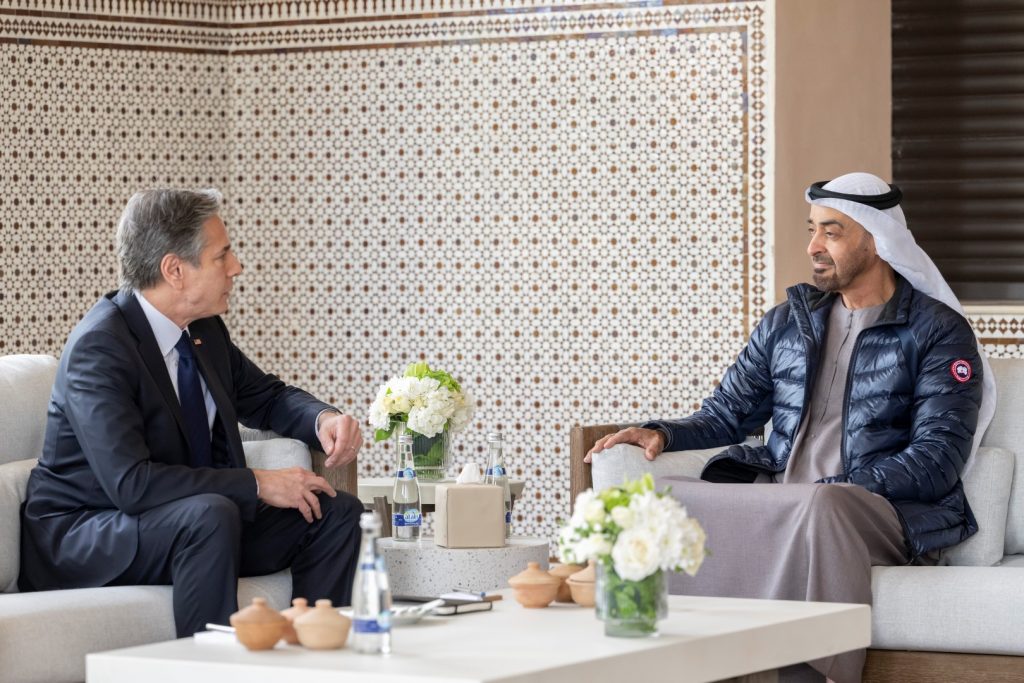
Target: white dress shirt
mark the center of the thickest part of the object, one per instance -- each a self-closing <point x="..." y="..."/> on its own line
<point x="167" y="335"/>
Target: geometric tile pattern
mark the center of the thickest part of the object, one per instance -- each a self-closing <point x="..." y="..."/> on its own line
<point x="563" y="206"/>
<point x="1000" y="329"/>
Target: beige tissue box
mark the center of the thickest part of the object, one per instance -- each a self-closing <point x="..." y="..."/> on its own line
<point x="469" y="516"/>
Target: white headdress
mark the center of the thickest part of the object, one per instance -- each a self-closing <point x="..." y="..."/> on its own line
<point x="883" y="218"/>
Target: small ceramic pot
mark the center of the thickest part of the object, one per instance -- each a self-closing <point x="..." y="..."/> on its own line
<point x="534" y="587"/>
<point x="299" y="607"/>
<point x="581" y="585"/>
<point x="258" y="627"/>
<point x="563" y="572"/>
<point x="323" y="627"/>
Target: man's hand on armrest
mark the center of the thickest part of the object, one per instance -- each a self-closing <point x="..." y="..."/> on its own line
<point x="651" y="440"/>
<point x="294" y="487"/>
<point x="340" y="437"/>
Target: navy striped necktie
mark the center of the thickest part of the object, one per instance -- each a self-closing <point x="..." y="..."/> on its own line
<point x="193" y="405"/>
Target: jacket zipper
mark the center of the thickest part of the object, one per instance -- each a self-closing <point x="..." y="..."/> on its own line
<point x="849" y="386"/>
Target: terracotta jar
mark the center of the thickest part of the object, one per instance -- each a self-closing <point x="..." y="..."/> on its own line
<point x="258" y="627"/>
<point x="581" y="585"/>
<point x="299" y="607"/>
<point x="563" y="572"/>
<point x="323" y="627"/>
<point x="534" y="587"/>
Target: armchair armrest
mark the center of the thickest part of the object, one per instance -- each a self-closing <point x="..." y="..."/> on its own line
<point x="341" y="478"/>
<point x="581" y="439"/>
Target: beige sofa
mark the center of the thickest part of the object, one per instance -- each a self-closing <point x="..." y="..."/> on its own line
<point x="45" y="636"/>
<point x="961" y="621"/>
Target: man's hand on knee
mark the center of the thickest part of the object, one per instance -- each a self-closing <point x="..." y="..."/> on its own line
<point x="651" y="440"/>
<point x="294" y="487"/>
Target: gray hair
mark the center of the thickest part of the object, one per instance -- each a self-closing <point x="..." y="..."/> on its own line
<point x="160" y="222"/>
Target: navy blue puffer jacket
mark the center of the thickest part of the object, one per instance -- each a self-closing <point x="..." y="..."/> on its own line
<point x="909" y="411"/>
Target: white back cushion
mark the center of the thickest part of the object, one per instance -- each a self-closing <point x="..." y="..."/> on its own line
<point x="25" y="384"/>
<point x="987" y="480"/>
<point x="1007" y="431"/>
<point x="13" y="480"/>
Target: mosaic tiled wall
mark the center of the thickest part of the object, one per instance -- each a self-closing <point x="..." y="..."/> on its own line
<point x="562" y="205"/>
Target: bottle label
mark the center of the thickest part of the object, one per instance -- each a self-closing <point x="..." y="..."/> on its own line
<point x="498" y="471"/>
<point x="410" y="517"/>
<point x="407" y="473"/>
<point x="382" y="624"/>
<point x="508" y="517"/>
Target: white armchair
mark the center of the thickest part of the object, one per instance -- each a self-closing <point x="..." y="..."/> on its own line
<point x="45" y="636"/>
<point x="960" y="621"/>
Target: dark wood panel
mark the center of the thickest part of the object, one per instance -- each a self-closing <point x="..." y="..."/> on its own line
<point x="978" y="229"/>
<point x="951" y="186"/>
<point x="948" y="105"/>
<point x="975" y="168"/>
<point x="938" y="123"/>
<point x="902" y="8"/>
<point x="988" y="269"/>
<point x="1010" y="251"/>
<point x="988" y="292"/>
<point x="954" y="148"/>
<point x="966" y="208"/>
<point x="958" y="138"/>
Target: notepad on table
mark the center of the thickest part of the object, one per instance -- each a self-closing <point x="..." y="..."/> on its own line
<point x="452" y="605"/>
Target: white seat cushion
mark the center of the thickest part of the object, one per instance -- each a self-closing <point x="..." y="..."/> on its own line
<point x="948" y="609"/>
<point x="45" y="636"/>
<point x="1015" y="561"/>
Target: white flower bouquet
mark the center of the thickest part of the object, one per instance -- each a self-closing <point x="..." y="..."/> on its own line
<point x="426" y="403"/>
<point x="634" y="535"/>
<point x="633" y="529"/>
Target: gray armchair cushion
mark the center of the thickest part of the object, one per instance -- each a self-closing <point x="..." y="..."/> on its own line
<point x="1007" y="431"/>
<point x="987" y="479"/>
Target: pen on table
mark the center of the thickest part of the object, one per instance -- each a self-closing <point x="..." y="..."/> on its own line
<point x="475" y="596"/>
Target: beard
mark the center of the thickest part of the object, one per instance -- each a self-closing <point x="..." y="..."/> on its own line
<point x="840" y="277"/>
<point x="831" y="282"/>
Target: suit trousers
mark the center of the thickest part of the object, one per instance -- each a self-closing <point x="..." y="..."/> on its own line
<point x="200" y="546"/>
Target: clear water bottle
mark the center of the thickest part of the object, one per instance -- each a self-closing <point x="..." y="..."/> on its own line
<point x="371" y="593"/>
<point x="497" y="474"/>
<point x="407" y="517"/>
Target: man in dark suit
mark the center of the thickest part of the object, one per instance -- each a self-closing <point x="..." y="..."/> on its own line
<point x="142" y="478"/>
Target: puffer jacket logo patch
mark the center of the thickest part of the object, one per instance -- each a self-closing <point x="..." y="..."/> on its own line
<point x="961" y="370"/>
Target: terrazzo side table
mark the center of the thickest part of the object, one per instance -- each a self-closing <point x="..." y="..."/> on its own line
<point x="426" y="569"/>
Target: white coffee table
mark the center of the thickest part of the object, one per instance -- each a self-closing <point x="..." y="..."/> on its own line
<point x="703" y="639"/>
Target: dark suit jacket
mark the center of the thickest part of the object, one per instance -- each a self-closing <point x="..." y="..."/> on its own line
<point x="115" y="443"/>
